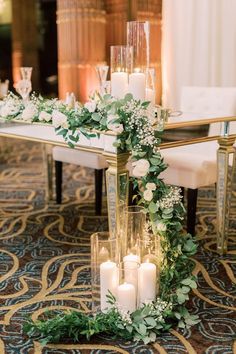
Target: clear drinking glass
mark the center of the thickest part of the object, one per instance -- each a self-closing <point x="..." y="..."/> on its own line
<point x="121" y="66"/>
<point x="104" y="273"/>
<point x="162" y="116"/>
<point x="150" y="86"/>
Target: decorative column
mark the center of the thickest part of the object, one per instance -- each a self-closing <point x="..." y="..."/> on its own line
<point x="121" y="11"/>
<point x="25" y="39"/>
<point x="81" y="45"/>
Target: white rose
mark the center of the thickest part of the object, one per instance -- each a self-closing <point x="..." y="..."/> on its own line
<point x="148" y="195"/>
<point x="9" y="109"/>
<point x="151" y="186"/>
<point x="160" y="226"/>
<point x="44" y="116"/>
<point x="91" y="106"/>
<point x="29" y="112"/>
<point x="141" y="168"/>
<point x="112" y="117"/>
<point x="115" y="127"/>
<point x="59" y="120"/>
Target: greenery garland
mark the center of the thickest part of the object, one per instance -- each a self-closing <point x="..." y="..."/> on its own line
<point x="139" y="128"/>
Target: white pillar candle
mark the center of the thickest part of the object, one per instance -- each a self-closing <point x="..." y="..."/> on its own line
<point x="108" y="282"/>
<point x="119" y="84"/>
<point x="126" y="297"/>
<point x="147" y="278"/>
<point x="150" y="96"/>
<point x="137" y="85"/>
<point x="131" y="264"/>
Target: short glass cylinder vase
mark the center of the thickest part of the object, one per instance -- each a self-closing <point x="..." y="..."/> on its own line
<point x="138" y="36"/>
<point x="104" y="274"/>
<point x="121" y="67"/>
<point x="127" y="288"/>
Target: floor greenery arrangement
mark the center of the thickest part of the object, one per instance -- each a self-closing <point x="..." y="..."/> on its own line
<point x="139" y="126"/>
<point x="45" y="264"/>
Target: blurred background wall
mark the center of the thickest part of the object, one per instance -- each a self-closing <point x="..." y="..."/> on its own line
<point x="65" y="39"/>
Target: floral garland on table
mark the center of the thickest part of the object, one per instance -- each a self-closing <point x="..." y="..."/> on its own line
<point x="139" y="132"/>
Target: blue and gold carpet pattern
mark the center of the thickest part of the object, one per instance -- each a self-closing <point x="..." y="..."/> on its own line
<point x="45" y="258"/>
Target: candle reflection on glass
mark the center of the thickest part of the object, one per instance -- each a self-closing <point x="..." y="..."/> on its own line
<point x="131" y="264"/>
<point x="137" y="84"/>
<point x="119" y="84"/>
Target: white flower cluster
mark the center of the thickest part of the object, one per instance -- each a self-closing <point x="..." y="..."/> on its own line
<point x="158" y="307"/>
<point x="173" y="197"/>
<point x="10" y="106"/>
<point x="148" y="193"/>
<point x="140" y="168"/>
<point x="124" y="315"/>
<point x="138" y="119"/>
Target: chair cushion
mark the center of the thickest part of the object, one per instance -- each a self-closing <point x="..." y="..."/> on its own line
<point x="77" y="157"/>
<point x="191" y="166"/>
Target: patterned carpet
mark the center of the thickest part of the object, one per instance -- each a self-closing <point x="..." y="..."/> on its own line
<point x="44" y="262"/>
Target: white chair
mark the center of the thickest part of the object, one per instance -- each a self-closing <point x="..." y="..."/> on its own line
<point x="86" y="159"/>
<point x="195" y="166"/>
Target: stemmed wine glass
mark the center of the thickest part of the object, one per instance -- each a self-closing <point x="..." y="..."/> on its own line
<point x="24" y="86"/>
<point x="102" y="71"/>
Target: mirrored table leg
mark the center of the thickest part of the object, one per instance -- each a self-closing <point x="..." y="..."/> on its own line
<point x="117" y="181"/>
<point x="48" y="165"/>
<point x="224" y="191"/>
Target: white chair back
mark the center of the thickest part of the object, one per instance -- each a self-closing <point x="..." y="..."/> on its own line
<point x="219" y="101"/>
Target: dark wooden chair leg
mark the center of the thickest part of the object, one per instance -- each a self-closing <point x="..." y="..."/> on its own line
<point x="98" y="191"/>
<point x="191" y="210"/>
<point x="58" y="170"/>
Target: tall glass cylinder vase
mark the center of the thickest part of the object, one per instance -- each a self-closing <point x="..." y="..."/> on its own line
<point x="121" y="67"/>
<point x="104" y="273"/>
<point x="138" y="36"/>
<point x="133" y="230"/>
